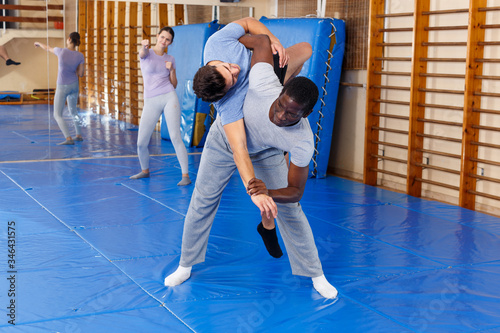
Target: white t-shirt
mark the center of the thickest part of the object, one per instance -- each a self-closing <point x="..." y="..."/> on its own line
<point x="264" y="88"/>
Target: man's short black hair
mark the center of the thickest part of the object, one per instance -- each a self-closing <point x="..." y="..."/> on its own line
<point x="209" y="84"/>
<point x="303" y="91"/>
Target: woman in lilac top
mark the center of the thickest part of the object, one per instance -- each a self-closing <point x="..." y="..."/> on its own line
<point x="160" y="81"/>
<point x="71" y="66"/>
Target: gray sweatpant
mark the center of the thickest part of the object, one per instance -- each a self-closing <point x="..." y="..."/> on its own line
<point x="168" y="104"/>
<point x="216" y="168"/>
<point x="67" y="92"/>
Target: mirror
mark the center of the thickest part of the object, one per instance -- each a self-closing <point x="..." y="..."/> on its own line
<point x="33" y="133"/>
<point x="28" y="78"/>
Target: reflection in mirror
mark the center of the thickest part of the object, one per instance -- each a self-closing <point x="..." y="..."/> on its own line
<point x="112" y="83"/>
<point x="27" y="85"/>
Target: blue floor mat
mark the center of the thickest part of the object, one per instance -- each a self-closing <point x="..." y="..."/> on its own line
<point x="92" y="248"/>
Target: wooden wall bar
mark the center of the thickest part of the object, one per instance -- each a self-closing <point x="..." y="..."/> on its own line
<point x="463" y="165"/>
<point x="146" y="20"/>
<point x="82" y="29"/>
<point x="373" y="108"/>
<point x="90" y="56"/>
<point x="417" y="98"/>
<point x="100" y="53"/>
<point x="163" y="12"/>
<point x="133" y="64"/>
<point x="28" y="17"/>
<point x="179" y="15"/>
<point x="121" y="41"/>
<point x="111" y="30"/>
<point x="472" y="84"/>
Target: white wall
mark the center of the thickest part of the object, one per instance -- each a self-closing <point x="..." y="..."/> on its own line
<point x="346" y="155"/>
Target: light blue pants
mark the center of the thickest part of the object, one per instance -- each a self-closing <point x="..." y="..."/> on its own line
<point x="168" y="104"/>
<point x="216" y="168"/>
<point x="67" y="92"/>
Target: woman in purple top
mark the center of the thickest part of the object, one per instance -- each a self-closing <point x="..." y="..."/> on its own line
<point x="71" y="66"/>
<point x="160" y="81"/>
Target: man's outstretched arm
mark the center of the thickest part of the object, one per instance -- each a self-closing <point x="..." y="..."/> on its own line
<point x="236" y="135"/>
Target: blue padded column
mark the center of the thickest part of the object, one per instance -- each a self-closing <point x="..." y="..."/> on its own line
<point x="187" y="49"/>
<point x="323" y="68"/>
<point x="330" y="94"/>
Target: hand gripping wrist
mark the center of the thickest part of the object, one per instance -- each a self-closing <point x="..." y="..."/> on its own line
<point x="258" y="191"/>
<point x="247" y="187"/>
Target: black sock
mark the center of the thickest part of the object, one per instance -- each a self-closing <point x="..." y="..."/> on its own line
<point x="270" y="240"/>
<point x="11" y="62"/>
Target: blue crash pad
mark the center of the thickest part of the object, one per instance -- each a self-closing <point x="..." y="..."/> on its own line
<point x="326" y="35"/>
<point x="187" y="49"/>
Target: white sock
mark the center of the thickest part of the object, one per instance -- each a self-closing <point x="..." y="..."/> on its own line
<point x="324" y="287"/>
<point x="177" y="277"/>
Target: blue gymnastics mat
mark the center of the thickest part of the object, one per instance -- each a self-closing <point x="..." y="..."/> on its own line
<point x="187" y="49"/>
<point x="327" y="38"/>
<point x="92" y="247"/>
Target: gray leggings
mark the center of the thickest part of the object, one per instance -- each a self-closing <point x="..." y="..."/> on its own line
<point x="168" y="104"/>
<point x="67" y="92"/>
